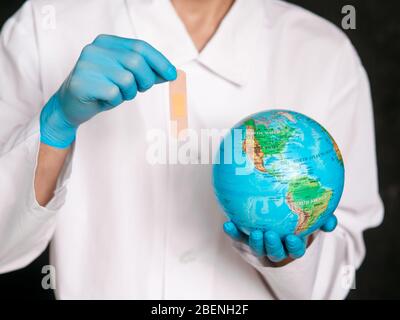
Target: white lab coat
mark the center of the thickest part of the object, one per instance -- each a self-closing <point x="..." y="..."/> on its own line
<point x="121" y="227"/>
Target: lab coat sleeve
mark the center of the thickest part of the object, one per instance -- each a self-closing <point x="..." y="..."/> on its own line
<point x="25" y="226"/>
<point x="327" y="270"/>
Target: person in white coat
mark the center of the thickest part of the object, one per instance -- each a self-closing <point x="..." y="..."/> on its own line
<point x="121" y="227"/>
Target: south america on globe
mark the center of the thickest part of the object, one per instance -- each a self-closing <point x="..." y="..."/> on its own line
<point x="278" y="170"/>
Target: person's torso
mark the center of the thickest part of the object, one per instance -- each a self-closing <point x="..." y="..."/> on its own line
<point x="133" y="229"/>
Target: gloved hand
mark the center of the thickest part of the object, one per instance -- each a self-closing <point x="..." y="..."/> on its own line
<point x="109" y="71"/>
<point x="270" y="244"/>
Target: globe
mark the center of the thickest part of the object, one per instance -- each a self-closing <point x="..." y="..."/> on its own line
<point x="278" y="170"/>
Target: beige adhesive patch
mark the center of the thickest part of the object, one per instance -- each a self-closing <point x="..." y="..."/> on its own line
<point x="178" y="104"/>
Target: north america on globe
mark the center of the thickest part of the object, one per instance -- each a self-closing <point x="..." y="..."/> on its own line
<point x="296" y="177"/>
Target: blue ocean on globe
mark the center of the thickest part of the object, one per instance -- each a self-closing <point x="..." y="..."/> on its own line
<point x="278" y="170"/>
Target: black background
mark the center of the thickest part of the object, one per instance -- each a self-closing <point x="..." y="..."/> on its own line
<point x="377" y="39"/>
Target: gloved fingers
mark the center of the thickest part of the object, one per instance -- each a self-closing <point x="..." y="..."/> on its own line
<point x="256" y="242"/>
<point x="274" y="246"/>
<point x="295" y="246"/>
<point x="91" y="86"/>
<point x="330" y="224"/>
<point x="137" y="65"/>
<point x="156" y="60"/>
<point x="99" y="64"/>
<point x="126" y="82"/>
<point x="233" y="232"/>
<point x="115" y="65"/>
<point x="160" y="79"/>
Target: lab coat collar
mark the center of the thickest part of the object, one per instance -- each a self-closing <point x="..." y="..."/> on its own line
<point x="229" y="52"/>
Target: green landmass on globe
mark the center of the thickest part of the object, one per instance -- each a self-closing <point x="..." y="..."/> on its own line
<point x="308" y="199"/>
<point x="264" y="141"/>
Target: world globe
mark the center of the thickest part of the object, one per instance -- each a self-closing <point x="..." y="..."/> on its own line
<point x="278" y="170"/>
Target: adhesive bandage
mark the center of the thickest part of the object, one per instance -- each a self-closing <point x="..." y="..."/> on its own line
<point x="178" y="105"/>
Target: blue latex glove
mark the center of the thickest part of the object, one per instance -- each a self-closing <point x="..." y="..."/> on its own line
<point x="109" y="71"/>
<point x="270" y="244"/>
